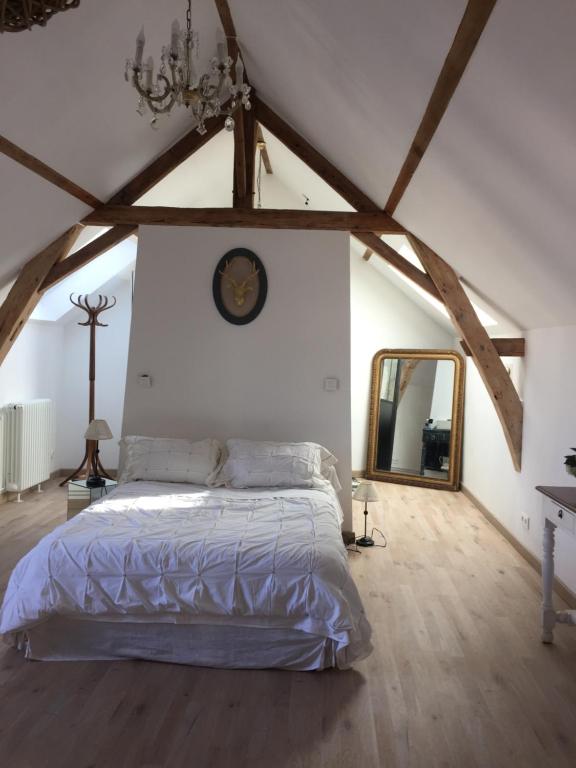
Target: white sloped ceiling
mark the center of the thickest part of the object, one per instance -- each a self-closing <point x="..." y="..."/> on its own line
<point x="494" y="194"/>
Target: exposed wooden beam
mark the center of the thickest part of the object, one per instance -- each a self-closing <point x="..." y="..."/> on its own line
<point x="26" y="291"/>
<point x="21" y="300"/>
<point x="261" y="145"/>
<point x="471" y="27"/>
<point x="308" y="154"/>
<point x="236" y="217"/>
<point x="90" y="251"/>
<point x="166" y="163"/>
<point x="229" y="29"/>
<point x="494" y="374"/>
<point x="49" y="174"/>
<point x="515" y="347"/>
<point x="368" y="253"/>
<point x="490" y="367"/>
<point x="244" y="159"/>
<point x="392" y="256"/>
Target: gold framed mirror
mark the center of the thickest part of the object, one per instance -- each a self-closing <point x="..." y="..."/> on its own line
<point x="416" y="415"/>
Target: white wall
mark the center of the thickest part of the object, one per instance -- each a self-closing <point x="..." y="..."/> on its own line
<point x="32" y="367"/>
<point x="261" y="381"/>
<point x="50" y="359"/>
<point x="549" y="432"/>
<point x="382" y="317"/>
<point x="442" y="399"/>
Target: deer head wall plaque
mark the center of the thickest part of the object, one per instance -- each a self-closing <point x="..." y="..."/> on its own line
<point x="239" y="286"/>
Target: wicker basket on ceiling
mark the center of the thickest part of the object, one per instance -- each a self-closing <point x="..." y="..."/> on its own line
<point x="17" y="15"/>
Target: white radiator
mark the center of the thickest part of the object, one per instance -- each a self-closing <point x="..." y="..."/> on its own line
<point x="28" y="444"/>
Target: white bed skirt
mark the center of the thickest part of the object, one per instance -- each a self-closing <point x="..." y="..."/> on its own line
<point x="202" y="645"/>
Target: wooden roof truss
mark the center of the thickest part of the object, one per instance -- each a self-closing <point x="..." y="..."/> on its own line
<point x="367" y="223"/>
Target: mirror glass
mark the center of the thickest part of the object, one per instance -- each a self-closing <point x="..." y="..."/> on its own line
<point x="415" y="429"/>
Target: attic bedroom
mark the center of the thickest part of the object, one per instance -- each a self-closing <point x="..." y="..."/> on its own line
<point x="286" y="384"/>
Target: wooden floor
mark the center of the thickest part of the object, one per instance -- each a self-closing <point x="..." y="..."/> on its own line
<point x="458" y="676"/>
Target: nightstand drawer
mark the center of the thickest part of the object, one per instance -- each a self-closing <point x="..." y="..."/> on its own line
<point x="561" y="517"/>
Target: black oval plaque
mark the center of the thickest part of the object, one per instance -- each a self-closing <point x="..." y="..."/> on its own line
<point x="239" y="286"/>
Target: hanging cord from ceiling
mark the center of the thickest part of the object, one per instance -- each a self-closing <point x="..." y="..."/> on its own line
<point x="259" y="181"/>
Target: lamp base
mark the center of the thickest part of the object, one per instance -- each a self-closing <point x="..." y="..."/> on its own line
<point x="365" y="541"/>
<point x="95" y="481"/>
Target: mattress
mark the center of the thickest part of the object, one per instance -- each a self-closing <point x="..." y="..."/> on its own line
<point x="176" y="554"/>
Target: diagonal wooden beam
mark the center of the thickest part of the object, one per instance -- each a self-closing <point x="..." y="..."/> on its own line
<point x="37" y="274"/>
<point x="308" y="154"/>
<point x="397" y="261"/>
<point x="166" y="163"/>
<point x="27" y="290"/>
<point x="491" y="368"/>
<point x="90" y="251"/>
<point x="515" y="347"/>
<point x="32" y="163"/>
<point x="471" y="27"/>
<point x="244" y="159"/>
<point x="495" y="376"/>
<point x="268" y="218"/>
<point x="134" y="189"/>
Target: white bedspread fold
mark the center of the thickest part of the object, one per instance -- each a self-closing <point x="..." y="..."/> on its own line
<point x="163" y="552"/>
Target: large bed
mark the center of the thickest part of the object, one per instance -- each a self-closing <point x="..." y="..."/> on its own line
<point x="184" y="573"/>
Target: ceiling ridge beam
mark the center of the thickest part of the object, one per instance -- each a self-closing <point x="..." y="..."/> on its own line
<point x="268" y="218"/>
<point x="484" y="353"/>
<point x="35" y="165"/>
<point x="467" y="36"/>
<point x="26" y="291"/>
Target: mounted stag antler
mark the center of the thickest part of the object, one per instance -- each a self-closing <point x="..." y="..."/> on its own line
<point x="93" y="312"/>
<point x="240" y="289"/>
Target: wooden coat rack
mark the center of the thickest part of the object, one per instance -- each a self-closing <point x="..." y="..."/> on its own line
<point x="93" y="313"/>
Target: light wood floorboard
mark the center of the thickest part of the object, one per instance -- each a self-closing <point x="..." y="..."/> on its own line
<point x="458" y="676"/>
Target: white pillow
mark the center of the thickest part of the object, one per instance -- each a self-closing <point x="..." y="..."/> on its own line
<point x="167" y="459"/>
<point x="252" y="464"/>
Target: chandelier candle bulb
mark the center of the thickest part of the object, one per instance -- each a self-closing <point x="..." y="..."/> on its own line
<point x="175" y="38"/>
<point x="221" y="45"/>
<point x="239" y="70"/>
<point x="140" y="40"/>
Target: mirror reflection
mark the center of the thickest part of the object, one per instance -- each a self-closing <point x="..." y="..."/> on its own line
<point x="414" y="415"/>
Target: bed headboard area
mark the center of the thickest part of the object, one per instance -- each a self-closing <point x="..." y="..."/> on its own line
<point x="283" y="376"/>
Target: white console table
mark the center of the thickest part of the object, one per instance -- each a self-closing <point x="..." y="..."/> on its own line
<point x="559" y="511"/>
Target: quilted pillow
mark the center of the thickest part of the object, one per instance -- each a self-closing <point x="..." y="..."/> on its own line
<point x="167" y="459"/>
<point x="252" y="464"/>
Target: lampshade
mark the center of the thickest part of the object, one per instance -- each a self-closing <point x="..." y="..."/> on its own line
<point x="366" y="491"/>
<point x="98" y="429"/>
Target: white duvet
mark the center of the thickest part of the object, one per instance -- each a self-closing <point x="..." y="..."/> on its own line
<point x="166" y="552"/>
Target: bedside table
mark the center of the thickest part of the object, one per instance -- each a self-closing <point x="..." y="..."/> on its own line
<point x="81" y="496"/>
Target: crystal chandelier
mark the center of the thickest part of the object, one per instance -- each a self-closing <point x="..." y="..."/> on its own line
<point x="176" y="83"/>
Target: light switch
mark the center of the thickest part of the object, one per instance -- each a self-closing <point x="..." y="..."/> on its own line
<point x="145" y="380"/>
<point x="331" y="384"/>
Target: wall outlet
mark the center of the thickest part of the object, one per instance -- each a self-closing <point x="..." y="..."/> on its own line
<point x="525" y="522"/>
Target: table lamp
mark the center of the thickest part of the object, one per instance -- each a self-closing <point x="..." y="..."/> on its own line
<point x="365" y="492"/>
<point x="98" y="429"/>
